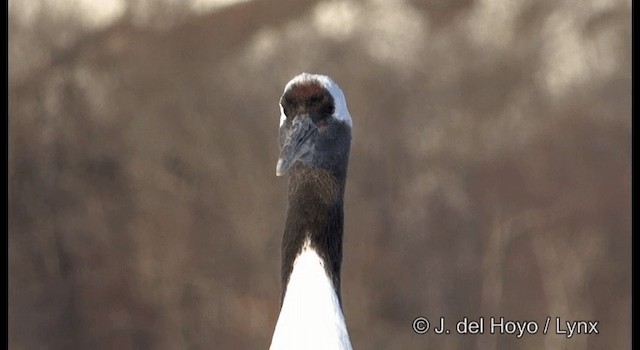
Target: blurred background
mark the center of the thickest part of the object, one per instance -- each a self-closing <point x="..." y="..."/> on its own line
<point x="490" y="169"/>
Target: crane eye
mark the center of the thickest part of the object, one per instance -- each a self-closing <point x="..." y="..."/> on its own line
<point x="322" y="121"/>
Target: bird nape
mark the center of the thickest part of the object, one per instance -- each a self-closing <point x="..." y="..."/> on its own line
<point x="314" y="139"/>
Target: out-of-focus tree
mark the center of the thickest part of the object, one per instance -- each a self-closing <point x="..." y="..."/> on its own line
<point x="490" y="168"/>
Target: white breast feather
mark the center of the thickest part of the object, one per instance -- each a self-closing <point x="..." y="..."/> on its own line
<point x="311" y="317"/>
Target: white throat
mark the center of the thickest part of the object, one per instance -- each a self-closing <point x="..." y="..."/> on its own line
<point x="311" y="316"/>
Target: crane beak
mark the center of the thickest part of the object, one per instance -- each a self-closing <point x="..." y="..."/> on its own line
<point x="296" y="143"/>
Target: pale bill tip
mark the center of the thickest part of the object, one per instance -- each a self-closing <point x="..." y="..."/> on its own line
<point x="279" y="166"/>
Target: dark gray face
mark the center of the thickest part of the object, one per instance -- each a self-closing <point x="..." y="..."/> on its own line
<point x="310" y="134"/>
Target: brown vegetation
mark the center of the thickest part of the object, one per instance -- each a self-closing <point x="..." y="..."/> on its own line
<point x="490" y="172"/>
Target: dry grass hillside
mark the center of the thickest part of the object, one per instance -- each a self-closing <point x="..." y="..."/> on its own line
<point x="490" y="170"/>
